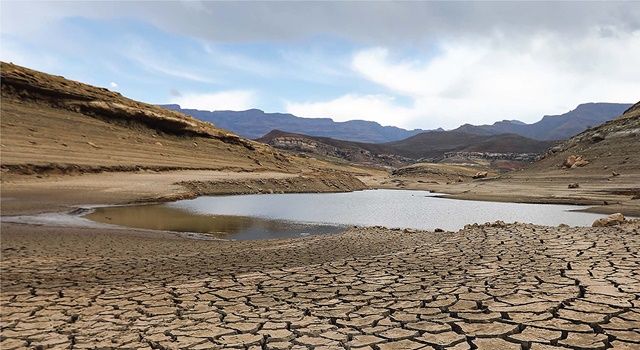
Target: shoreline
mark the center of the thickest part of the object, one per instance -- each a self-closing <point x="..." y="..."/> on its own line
<point x="168" y="186"/>
<point x="73" y="218"/>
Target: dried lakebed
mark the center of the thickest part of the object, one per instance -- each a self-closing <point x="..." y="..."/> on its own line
<point x="491" y="287"/>
<point x="291" y="215"/>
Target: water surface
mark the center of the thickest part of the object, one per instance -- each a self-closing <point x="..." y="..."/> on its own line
<point x="289" y="215"/>
<point x="168" y="218"/>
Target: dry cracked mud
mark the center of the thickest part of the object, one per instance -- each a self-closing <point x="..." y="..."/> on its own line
<point x="488" y="287"/>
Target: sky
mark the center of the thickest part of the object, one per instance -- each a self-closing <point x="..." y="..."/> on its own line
<point x="409" y="64"/>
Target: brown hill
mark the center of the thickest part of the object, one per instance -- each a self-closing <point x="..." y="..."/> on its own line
<point x="357" y="152"/>
<point x="53" y="125"/>
<point x="430" y="145"/>
<point x="434" y="144"/>
<point x="611" y="147"/>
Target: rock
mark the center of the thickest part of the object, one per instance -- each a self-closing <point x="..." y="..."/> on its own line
<point x="563" y="225"/>
<point x="555" y="149"/>
<point x="597" y="137"/>
<point x="498" y="223"/>
<point x="438" y="230"/>
<point x="611" y="220"/>
<point x="613" y="173"/>
<point x="480" y="175"/>
<point x="574" y="161"/>
<point x="460" y="179"/>
<point x="574" y="185"/>
<point x="93" y="144"/>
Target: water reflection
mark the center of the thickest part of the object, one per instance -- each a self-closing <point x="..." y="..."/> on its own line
<point x="289" y="215"/>
<point x="162" y="217"/>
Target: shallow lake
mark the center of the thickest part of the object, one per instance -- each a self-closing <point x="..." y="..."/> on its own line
<point x="292" y="215"/>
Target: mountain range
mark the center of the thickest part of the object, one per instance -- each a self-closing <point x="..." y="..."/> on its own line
<point x="255" y="123"/>
<point x="554" y="127"/>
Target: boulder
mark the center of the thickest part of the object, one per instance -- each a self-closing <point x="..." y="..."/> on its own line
<point x="480" y="175"/>
<point x="611" y="220"/>
<point x="574" y="185"/>
<point x="574" y="161"/>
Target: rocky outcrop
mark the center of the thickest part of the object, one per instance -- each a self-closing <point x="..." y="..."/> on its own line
<point x="574" y="161"/>
<point x="611" y="220"/>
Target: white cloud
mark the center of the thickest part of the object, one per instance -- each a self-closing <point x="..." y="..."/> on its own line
<point x="113" y="84"/>
<point x="379" y="108"/>
<point x="236" y="100"/>
<point x="140" y="52"/>
<point x="489" y="80"/>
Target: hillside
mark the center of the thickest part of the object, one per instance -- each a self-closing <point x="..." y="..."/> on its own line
<point x="255" y="123"/>
<point x="553" y="127"/>
<point x="357" y="152"/>
<point x="432" y="145"/>
<point x="612" y="146"/>
<point x="51" y="125"/>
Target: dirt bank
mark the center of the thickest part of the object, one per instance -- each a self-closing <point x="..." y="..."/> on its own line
<point x="28" y="194"/>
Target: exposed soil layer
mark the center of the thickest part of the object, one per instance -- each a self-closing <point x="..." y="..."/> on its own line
<point x="51" y="125"/>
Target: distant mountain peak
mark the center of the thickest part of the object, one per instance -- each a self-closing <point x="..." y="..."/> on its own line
<point x="512" y="121"/>
<point x="554" y="127"/>
<point x="254" y="123"/>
